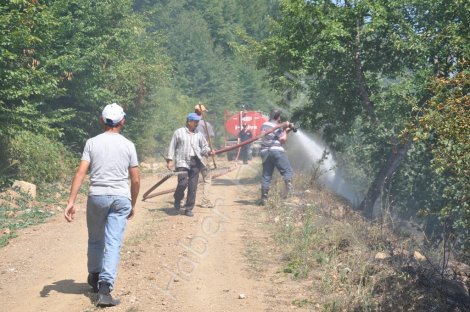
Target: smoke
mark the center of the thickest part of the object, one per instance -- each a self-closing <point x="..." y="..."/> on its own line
<point x="308" y="153"/>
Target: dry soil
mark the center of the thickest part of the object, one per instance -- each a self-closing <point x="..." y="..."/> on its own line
<point x="222" y="259"/>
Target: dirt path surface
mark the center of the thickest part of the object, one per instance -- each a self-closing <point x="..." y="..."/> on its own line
<point x="222" y="259"/>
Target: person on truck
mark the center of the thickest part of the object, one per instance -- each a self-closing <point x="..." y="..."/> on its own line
<point x="244" y="135"/>
<point x="274" y="156"/>
<point x="206" y="129"/>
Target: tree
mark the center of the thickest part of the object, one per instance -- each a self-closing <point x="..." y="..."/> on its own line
<point x="365" y="65"/>
<point x="104" y="54"/>
<point x="202" y="39"/>
<point x="69" y="59"/>
<point x="25" y="83"/>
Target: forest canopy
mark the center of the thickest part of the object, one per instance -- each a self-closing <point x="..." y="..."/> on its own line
<point x="62" y="62"/>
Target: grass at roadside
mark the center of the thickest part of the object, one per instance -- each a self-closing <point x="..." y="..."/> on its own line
<point x="327" y="244"/>
<point x="18" y="210"/>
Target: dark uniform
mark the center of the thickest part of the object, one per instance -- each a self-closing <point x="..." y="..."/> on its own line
<point x="244" y="135"/>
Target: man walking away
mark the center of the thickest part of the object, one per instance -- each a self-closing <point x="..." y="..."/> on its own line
<point x="111" y="159"/>
<point x="274" y="156"/>
<point x="188" y="147"/>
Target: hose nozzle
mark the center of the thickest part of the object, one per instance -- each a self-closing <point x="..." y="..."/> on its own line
<point x="293" y="128"/>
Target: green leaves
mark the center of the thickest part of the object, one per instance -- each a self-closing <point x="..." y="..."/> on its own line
<point x="37" y="159"/>
<point x="365" y="68"/>
<point x="24" y="81"/>
<point x="447" y="121"/>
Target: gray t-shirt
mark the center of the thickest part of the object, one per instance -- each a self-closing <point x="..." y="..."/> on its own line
<point x="202" y="129"/>
<point x="110" y="156"/>
<point x="271" y="141"/>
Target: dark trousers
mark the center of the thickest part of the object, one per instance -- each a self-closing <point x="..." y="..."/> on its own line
<point x="245" y="153"/>
<point x="188" y="181"/>
<point x="275" y="159"/>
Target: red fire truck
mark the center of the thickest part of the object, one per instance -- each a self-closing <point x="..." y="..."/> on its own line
<point x="233" y="123"/>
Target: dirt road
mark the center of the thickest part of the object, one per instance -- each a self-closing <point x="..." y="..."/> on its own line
<point x="222" y="259"/>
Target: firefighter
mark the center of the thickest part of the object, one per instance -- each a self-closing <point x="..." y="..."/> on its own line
<point x="244" y="135"/>
<point x="274" y="155"/>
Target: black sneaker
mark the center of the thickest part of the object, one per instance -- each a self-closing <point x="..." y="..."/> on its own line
<point x="107" y="301"/>
<point x="189" y="213"/>
<point x="261" y="202"/>
<point x="93" y="281"/>
<point x="104" y="296"/>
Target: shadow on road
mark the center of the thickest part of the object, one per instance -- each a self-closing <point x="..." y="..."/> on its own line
<point x="243" y="181"/>
<point x="66" y="287"/>
<point x="169" y="211"/>
<point x="253" y="202"/>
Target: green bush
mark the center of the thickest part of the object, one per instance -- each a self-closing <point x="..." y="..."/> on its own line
<point x="38" y="159"/>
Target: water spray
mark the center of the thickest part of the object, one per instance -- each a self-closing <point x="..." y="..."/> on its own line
<point x="306" y="152"/>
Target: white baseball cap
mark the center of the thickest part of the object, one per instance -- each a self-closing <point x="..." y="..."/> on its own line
<point x="112" y="114"/>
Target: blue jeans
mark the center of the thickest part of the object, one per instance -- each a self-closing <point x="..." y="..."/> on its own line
<point x="275" y="159"/>
<point x="106" y="222"/>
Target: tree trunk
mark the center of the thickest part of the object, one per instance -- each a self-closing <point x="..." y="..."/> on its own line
<point x="393" y="162"/>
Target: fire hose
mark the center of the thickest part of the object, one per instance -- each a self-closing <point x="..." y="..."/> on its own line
<point x="229" y="148"/>
<point x="165" y="177"/>
<point x="215" y="172"/>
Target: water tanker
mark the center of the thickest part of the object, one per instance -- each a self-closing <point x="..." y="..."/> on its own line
<point x="233" y="123"/>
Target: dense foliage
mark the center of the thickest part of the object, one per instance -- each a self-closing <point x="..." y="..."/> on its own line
<point x="38" y="159"/>
<point x="61" y="62"/>
<point x="369" y="70"/>
<point x="202" y="38"/>
<point x="25" y="83"/>
<point x="444" y="126"/>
